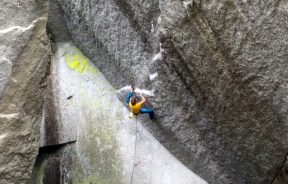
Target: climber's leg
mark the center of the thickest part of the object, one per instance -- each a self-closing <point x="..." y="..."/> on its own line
<point x="147" y="110"/>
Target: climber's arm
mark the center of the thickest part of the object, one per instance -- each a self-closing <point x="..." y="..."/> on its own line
<point x="129" y="95"/>
<point x="143" y="100"/>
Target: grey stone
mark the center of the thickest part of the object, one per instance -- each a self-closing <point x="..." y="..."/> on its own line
<point x="54" y="165"/>
<point x="235" y="65"/>
<point x="5" y="70"/>
<point x="26" y="52"/>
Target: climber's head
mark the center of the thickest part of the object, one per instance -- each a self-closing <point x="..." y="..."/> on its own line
<point x="133" y="100"/>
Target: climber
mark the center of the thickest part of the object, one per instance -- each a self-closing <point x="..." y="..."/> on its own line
<point x="136" y="107"/>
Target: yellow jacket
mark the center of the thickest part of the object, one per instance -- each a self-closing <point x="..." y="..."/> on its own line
<point x="135" y="109"/>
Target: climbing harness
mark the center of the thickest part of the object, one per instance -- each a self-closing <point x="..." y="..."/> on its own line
<point x="134" y="152"/>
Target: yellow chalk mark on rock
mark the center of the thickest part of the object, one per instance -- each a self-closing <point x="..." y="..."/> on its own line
<point x="78" y="62"/>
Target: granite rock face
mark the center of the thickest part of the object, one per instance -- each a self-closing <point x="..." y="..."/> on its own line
<point x="221" y="90"/>
<point x="83" y="139"/>
<point x="25" y="53"/>
<point x="235" y="67"/>
<point x="109" y="148"/>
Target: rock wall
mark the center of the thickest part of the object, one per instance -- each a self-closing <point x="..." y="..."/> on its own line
<point x="109" y="148"/>
<point x="217" y="69"/>
<point x="222" y="81"/>
<point x="235" y="68"/>
<point x="24" y="63"/>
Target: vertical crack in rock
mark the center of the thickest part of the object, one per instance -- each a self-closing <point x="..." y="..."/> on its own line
<point x="281" y="175"/>
<point x="126" y="9"/>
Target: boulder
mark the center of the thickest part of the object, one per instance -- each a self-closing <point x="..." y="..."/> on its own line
<point x="25" y="56"/>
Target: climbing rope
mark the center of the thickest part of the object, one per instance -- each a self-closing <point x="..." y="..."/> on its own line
<point x="134" y="153"/>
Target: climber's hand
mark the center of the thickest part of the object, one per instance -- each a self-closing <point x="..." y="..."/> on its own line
<point x="132" y="88"/>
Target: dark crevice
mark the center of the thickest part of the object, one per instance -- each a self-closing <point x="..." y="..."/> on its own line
<point x="45" y="79"/>
<point x="186" y="71"/>
<point x="128" y="12"/>
<point x="57" y="31"/>
<point x="278" y="174"/>
<point x="53" y="148"/>
<point x="50" y="116"/>
<point x="53" y="164"/>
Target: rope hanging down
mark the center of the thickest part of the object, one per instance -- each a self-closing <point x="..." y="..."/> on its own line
<point x="134" y="154"/>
